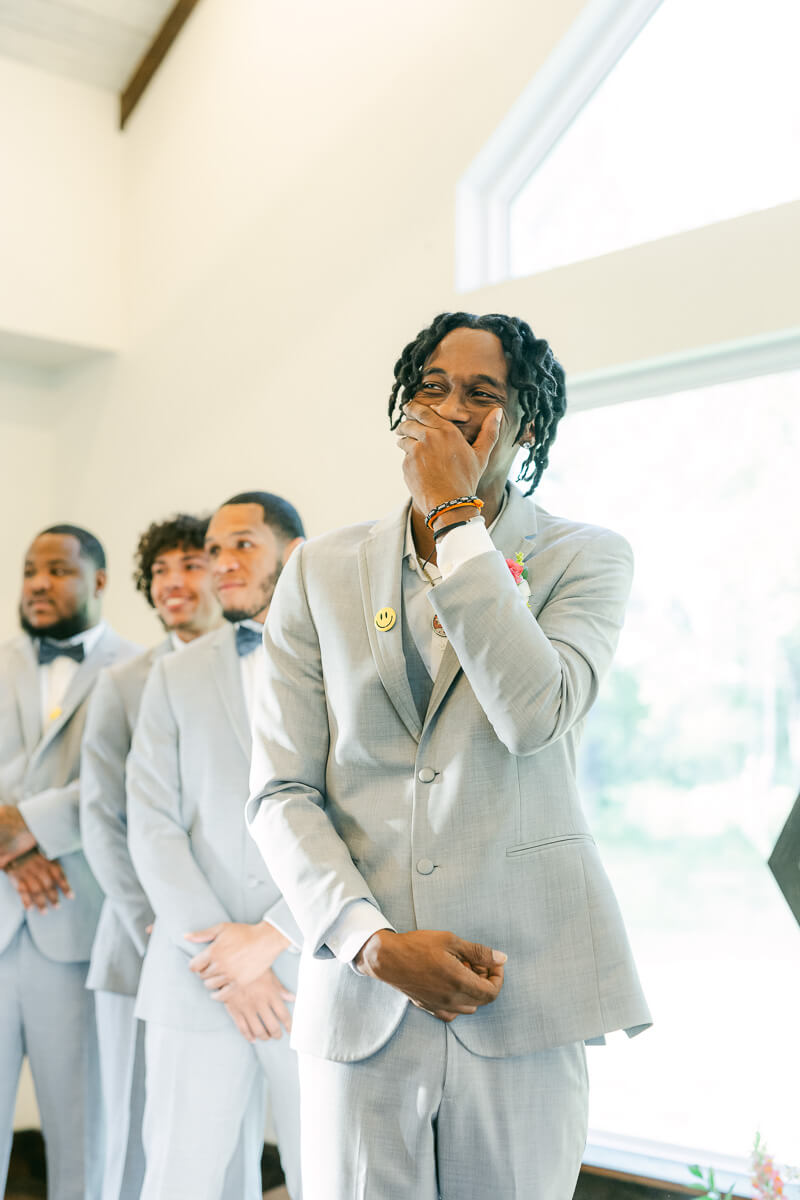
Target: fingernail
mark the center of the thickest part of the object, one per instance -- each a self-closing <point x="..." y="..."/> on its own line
<point x="499" y="957"/>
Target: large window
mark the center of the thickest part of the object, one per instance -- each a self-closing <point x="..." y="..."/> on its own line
<point x="698" y="122"/>
<point x="691" y="758"/>
<point x="649" y="118"/>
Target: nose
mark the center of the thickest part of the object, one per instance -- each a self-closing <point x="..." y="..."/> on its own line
<point x="38" y="583"/>
<point x="453" y="407"/>
<point x="224" y="562"/>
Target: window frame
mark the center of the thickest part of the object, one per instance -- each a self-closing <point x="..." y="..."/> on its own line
<point x="589" y="50"/>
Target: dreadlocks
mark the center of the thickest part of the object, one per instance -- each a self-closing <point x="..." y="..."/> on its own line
<point x="532" y="369"/>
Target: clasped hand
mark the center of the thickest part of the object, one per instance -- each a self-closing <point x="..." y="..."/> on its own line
<point x="38" y="881"/>
<point x="236" y="969"/>
<point x="439" y="462"/>
<point x="439" y="972"/>
<point x="15" y="837"/>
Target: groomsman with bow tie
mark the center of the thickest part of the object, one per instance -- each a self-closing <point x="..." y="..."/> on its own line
<point x="172" y="572"/>
<point x="49" y="900"/>
<point x="218" y="975"/>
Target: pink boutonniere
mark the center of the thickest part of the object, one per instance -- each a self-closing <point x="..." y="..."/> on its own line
<point x="516" y="566"/>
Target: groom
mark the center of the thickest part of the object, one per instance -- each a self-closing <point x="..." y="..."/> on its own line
<point x="414" y="774"/>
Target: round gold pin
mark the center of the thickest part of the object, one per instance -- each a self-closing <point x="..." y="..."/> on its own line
<point x="385" y="619"/>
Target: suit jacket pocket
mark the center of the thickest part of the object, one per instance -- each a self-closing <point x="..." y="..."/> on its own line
<point x="523" y="848"/>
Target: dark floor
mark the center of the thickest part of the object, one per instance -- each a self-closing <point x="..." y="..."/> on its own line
<point x="26" y="1177"/>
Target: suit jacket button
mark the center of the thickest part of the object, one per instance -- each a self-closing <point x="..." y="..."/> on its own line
<point x="425" y="866"/>
<point x="426" y="775"/>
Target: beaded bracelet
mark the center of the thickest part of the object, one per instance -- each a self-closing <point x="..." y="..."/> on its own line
<point x="449" y="505"/>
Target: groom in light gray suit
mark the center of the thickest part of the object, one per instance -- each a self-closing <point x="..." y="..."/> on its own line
<point x="213" y="1006"/>
<point x="46" y="675"/>
<point x="414" y="796"/>
<point x="173" y="574"/>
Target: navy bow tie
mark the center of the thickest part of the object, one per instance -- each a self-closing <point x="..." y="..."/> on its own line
<point x="247" y="640"/>
<point x="49" y="650"/>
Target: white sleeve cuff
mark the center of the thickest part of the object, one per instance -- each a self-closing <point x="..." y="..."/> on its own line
<point x="357" y="923"/>
<point x="464" y="543"/>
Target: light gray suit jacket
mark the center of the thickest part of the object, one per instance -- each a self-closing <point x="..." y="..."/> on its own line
<point x="467" y="820"/>
<point x="187" y="787"/>
<point x="120" y="941"/>
<point x="39" y="773"/>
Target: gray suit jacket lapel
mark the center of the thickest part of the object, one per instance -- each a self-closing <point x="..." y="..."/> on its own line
<point x="26" y="684"/>
<point x="101" y="656"/>
<point x="228" y="677"/>
<point x="380" y="568"/>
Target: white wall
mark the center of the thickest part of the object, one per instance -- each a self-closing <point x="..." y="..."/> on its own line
<point x="28" y="407"/>
<point x="60" y="207"/>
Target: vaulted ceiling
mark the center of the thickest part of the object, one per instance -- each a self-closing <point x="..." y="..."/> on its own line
<point x="100" y="42"/>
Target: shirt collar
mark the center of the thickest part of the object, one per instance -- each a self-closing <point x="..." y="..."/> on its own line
<point x="89" y="637"/>
<point x="249" y="623"/>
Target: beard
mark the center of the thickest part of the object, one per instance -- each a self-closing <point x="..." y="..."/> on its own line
<point x="260" y="602"/>
<point x="60" y="629"/>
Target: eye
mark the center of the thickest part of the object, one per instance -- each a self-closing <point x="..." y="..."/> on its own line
<point x="213" y="551"/>
<point x="244" y="544"/>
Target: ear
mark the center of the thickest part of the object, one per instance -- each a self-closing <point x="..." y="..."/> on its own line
<point x="289" y="549"/>
<point x="527" y="436"/>
<point x="100" y="581"/>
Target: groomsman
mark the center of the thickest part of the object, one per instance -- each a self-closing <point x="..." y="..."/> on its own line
<point x="172" y="573"/>
<point x="215" y="1021"/>
<point x="46" y="675"/>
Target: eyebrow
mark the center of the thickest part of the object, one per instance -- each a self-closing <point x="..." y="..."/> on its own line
<point x="233" y="533"/>
<point x="51" y="562"/>
<point x="195" y="552"/>
<point x="495" y="383"/>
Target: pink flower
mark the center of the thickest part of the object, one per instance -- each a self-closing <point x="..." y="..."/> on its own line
<point x="516" y="569"/>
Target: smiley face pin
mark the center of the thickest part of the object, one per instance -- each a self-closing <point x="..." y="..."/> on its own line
<point x="385" y="619"/>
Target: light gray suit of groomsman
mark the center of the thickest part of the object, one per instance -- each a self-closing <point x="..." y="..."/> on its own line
<point x="444" y="804"/>
<point x="187" y="785"/>
<point x="121" y="937"/>
<point x="45" y="1011"/>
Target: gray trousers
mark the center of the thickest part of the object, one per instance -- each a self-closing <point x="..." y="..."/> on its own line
<point x="46" y="1013"/>
<point x="121" y="1041"/>
<point x="424" y="1119"/>
<point x="205" y="1112"/>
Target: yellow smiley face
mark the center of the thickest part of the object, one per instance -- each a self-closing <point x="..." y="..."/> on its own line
<point x="385" y="619"/>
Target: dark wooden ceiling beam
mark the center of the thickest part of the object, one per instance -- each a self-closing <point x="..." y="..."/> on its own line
<point x="153" y="58"/>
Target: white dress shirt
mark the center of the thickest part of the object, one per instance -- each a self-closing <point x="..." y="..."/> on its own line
<point x="56" y="676"/>
<point x="251" y="666"/>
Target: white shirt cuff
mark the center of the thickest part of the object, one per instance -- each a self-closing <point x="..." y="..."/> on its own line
<point x="464" y="543"/>
<point x="355" y="926"/>
<point x="269" y="919"/>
